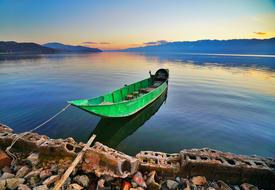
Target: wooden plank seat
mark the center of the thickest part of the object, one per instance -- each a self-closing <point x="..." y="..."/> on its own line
<point x="135" y="93"/>
<point x="129" y="97"/>
<point x="146" y="90"/>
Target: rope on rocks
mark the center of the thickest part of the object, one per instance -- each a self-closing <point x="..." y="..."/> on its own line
<point x="13" y="156"/>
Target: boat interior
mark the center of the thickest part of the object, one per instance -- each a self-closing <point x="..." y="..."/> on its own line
<point x="129" y="92"/>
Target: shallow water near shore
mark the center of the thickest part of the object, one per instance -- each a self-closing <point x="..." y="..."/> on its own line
<point x="216" y="101"/>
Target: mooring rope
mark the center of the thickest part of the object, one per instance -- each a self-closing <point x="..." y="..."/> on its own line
<point x="13" y="156"/>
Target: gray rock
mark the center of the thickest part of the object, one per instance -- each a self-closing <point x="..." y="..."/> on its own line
<point x="82" y="180"/>
<point x="22" y="171"/>
<point x="6" y="169"/>
<point x="223" y="185"/>
<point x="51" y="180"/>
<point x="54" y="168"/>
<point x="247" y="186"/>
<point x="67" y="182"/>
<point x="45" y="173"/>
<point x="2" y="184"/>
<point x="23" y="187"/>
<point x="171" y="184"/>
<point x="7" y="175"/>
<point x="13" y="183"/>
<point x="236" y="187"/>
<point x="211" y="188"/>
<point x="33" y="159"/>
<point x="100" y="184"/>
<point x="33" y="181"/>
<point x="199" y="180"/>
<point x="34" y="173"/>
<point x="74" y="186"/>
<point x="151" y="182"/>
<point x="134" y="184"/>
<point x="41" y="187"/>
<point x="138" y="179"/>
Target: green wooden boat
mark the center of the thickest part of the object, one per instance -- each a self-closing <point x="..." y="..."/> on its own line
<point x="127" y="100"/>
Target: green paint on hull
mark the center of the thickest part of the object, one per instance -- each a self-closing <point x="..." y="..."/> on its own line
<point x="115" y="104"/>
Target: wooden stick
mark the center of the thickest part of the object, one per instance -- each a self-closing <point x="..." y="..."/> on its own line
<point x="61" y="181"/>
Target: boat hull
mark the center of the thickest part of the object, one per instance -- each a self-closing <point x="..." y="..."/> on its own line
<point x="126" y="108"/>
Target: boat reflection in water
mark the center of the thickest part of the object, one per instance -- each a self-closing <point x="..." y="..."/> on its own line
<point x="111" y="131"/>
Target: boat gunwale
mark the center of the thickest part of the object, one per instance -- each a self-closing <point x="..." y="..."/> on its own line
<point x="112" y="104"/>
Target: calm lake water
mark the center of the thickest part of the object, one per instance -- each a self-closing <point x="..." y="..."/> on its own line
<point x="221" y="102"/>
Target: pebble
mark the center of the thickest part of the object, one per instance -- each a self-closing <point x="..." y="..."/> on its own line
<point x="138" y="179"/>
<point x="223" y="185"/>
<point x="33" y="159"/>
<point x="41" y="187"/>
<point x="171" y="184"/>
<point x="45" y="173"/>
<point x="74" y="186"/>
<point x="126" y="185"/>
<point x="134" y="185"/>
<point x="2" y="184"/>
<point x="82" y="180"/>
<point x="7" y="175"/>
<point x="199" y="180"/>
<point x="6" y="169"/>
<point x="100" y="184"/>
<point x="13" y="183"/>
<point x="23" y="187"/>
<point x="22" y="171"/>
<point x="151" y="183"/>
<point x="33" y="173"/>
<point x="50" y="180"/>
<point x="33" y="181"/>
<point x="247" y="186"/>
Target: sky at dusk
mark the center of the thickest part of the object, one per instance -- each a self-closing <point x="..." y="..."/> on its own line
<point x="120" y="24"/>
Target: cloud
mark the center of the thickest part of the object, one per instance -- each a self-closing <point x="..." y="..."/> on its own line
<point x="159" y="42"/>
<point x="89" y="43"/>
<point x="104" y="43"/>
<point x="260" y="33"/>
<point x="92" y="43"/>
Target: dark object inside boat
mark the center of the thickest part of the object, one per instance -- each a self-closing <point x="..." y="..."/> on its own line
<point x="161" y="75"/>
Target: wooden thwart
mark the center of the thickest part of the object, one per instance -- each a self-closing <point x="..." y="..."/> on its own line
<point x="70" y="169"/>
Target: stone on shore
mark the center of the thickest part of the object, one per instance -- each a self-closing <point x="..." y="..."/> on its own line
<point x="13" y="183"/>
<point x="171" y="184"/>
<point x="33" y="173"/>
<point x="22" y="171"/>
<point x="45" y="173"/>
<point x="6" y="169"/>
<point x="5" y="160"/>
<point x="74" y="186"/>
<point x="7" y="175"/>
<point x="199" y="180"/>
<point x="41" y="187"/>
<point x="82" y="180"/>
<point x="33" y="159"/>
<point x="23" y="187"/>
<point x="51" y="180"/>
<point x="247" y="186"/>
<point x="2" y="184"/>
<point x="138" y="179"/>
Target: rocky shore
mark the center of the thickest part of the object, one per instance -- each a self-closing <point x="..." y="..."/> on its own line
<point x="41" y="162"/>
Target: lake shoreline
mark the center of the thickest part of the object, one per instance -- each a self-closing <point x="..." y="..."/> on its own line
<point x="103" y="165"/>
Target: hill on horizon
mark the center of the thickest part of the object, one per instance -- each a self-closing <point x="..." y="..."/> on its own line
<point x="234" y="46"/>
<point x="12" y="47"/>
<point x="70" y="48"/>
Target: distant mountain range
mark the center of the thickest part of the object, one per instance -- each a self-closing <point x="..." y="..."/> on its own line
<point x="70" y="48"/>
<point x="11" y="47"/>
<point x="237" y="46"/>
<point x="14" y="47"/>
